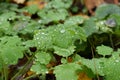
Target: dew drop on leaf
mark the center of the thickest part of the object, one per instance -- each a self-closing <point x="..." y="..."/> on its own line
<point x="10" y="19"/>
<point x="62" y="31"/>
<point x="39" y="21"/>
<point x="42" y="33"/>
<point x="38" y="42"/>
<point x="116" y="60"/>
<point x="37" y="38"/>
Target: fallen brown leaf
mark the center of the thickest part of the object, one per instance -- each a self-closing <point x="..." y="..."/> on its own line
<point x="40" y="3"/>
<point x="91" y="4"/>
<point x="19" y="1"/>
<point x="83" y="76"/>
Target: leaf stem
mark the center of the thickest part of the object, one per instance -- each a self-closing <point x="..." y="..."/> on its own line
<point x="92" y="47"/>
<point x="5" y="72"/>
<point x="23" y="70"/>
<point x="111" y="41"/>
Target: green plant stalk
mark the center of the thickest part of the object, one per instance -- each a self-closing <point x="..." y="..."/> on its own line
<point x="111" y="41"/>
<point x="27" y="78"/>
<point x="5" y="72"/>
<point x="23" y="70"/>
<point x="92" y="48"/>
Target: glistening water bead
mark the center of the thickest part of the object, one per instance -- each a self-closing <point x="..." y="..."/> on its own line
<point x="62" y="31"/>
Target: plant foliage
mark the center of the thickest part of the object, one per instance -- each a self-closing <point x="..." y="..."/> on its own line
<point x="59" y="43"/>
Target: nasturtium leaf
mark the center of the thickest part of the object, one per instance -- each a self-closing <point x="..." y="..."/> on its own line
<point x="58" y="4"/>
<point x="76" y="58"/>
<point x="43" y="40"/>
<point x="74" y="20"/>
<point x="20" y="26"/>
<point x="26" y="26"/>
<point x="63" y="60"/>
<point x="90" y="27"/>
<point x="39" y="68"/>
<point x="11" y="49"/>
<point x="8" y="16"/>
<point x="43" y="57"/>
<point x="65" y="35"/>
<point x="80" y="34"/>
<point x="111" y="68"/>
<point x="65" y="52"/>
<point x="104" y="50"/>
<point x="67" y="71"/>
<point x="96" y="65"/>
<point x="7" y="7"/>
<point x="102" y="27"/>
<point x="32" y="9"/>
<point x="29" y="44"/>
<point x="52" y="15"/>
<point x="61" y="36"/>
<point x="5" y="27"/>
<point x="106" y="10"/>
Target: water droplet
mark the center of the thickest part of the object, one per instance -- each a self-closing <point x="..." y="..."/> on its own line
<point x="62" y="31"/>
<point x="37" y="38"/>
<point x="99" y="67"/>
<point x="10" y="19"/>
<point x="42" y="33"/>
<point x="23" y="19"/>
<point x="46" y="72"/>
<point x="23" y="43"/>
<point x="116" y="60"/>
<point x="38" y="42"/>
<point x="39" y="21"/>
<point x="102" y="22"/>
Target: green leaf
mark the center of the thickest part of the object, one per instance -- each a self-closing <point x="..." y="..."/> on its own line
<point x="111" y="68"/>
<point x="106" y="10"/>
<point x="65" y="35"/>
<point x="104" y="50"/>
<point x="43" y="57"/>
<point x="59" y="4"/>
<point x="39" y="68"/>
<point x="11" y="49"/>
<point x="64" y="52"/>
<point x="26" y="26"/>
<point x="67" y="71"/>
<point x="32" y="9"/>
<point x="102" y="27"/>
<point x="63" y="61"/>
<point x="90" y="27"/>
<point x="74" y="20"/>
<point x="61" y="35"/>
<point x="96" y="65"/>
<point x="8" y="16"/>
<point x="43" y="40"/>
<point x="52" y="15"/>
<point x="7" y="7"/>
<point x="20" y="26"/>
<point x="4" y="27"/>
